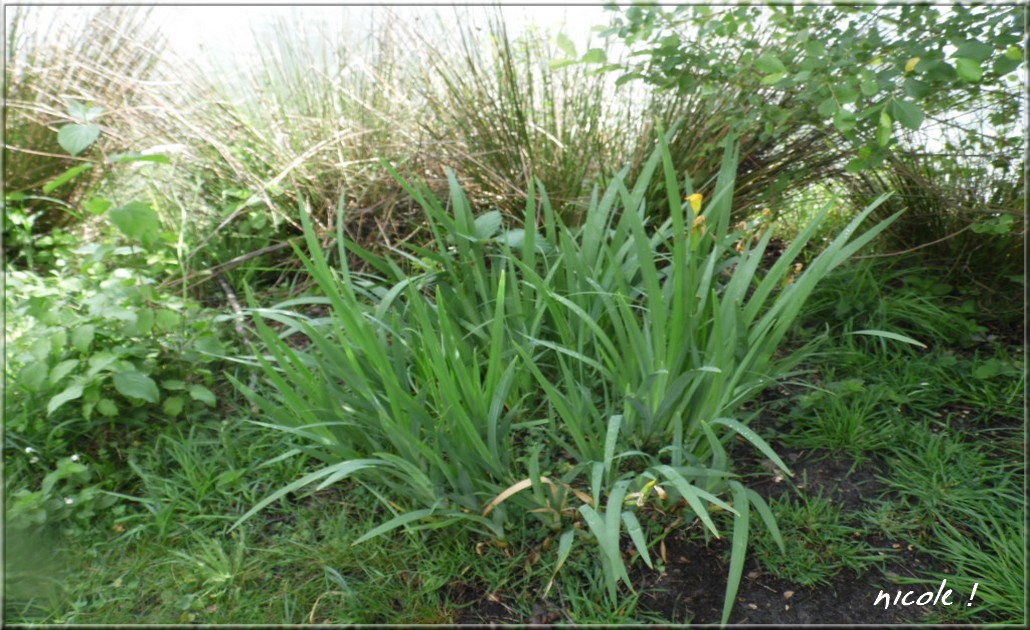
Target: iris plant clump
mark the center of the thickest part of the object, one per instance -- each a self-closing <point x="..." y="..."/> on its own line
<point x="585" y="373"/>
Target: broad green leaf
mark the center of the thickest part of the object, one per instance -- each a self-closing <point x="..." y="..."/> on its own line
<point x="173" y="405"/>
<point x="908" y="114"/>
<point x="969" y="69"/>
<point x="137" y="220"/>
<point x="173" y="384"/>
<point x="487" y="224"/>
<point x="844" y="121"/>
<point x="167" y="319"/>
<point x="770" y="64"/>
<point x="82" y="337"/>
<point x="76" y="138"/>
<point x="566" y="45"/>
<point x="595" y="55"/>
<point x="914" y="88"/>
<point x="828" y="107"/>
<point x="988" y="369"/>
<point x="58" y="340"/>
<point x="514" y="239"/>
<point x="70" y="393"/>
<point x="66" y="177"/>
<point x="202" y="394"/>
<point x="97" y="205"/>
<point x="977" y="51"/>
<point x="846" y="93"/>
<point x="107" y="407"/>
<point x="33" y="375"/>
<point x="144" y="321"/>
<point x="869" y="87"/>
<point x="62" y="369"/>
<point x="86" y="113"/>
<point x="1015" y="53"/>
<point x="770" y="79"/>
<point x="230" y="477"/>
<point x="1004" y="65"/>
<point x="208" y="343"/>
<point x="137" y="385"/>
<point x="937" y="70"/>
<point x="101" y="361"/>
<point x="885" y="129"/>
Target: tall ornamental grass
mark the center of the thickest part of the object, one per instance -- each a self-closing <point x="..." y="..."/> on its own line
<point x="591" y="375"/>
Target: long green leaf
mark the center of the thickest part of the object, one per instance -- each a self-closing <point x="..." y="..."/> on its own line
<point x="339" y="470"/>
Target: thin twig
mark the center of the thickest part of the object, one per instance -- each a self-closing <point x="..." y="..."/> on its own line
<point x="213" y="272"/>
<point x="916" y="248"/>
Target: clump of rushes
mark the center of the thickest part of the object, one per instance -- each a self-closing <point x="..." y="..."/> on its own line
<point x="505" y="115"/>
<point x="592" y="375"/>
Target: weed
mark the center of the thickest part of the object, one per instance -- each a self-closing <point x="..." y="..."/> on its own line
<point x="818" y="542"/>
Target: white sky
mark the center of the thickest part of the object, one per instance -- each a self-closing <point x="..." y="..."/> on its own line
<point x="227" y="28"/>
<point x="222" y="32"/>
<point x="195" y="29"/>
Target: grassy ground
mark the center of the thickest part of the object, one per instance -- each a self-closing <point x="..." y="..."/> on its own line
<point x="130" y="457"/>
<point x="936" y="435"/>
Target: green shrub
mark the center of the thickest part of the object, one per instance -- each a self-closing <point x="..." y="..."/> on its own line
<point x="587" y="374"/>
<point x="100" y="343"/>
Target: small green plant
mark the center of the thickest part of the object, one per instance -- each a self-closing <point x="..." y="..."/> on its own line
<point x="818" y="542"/>
<point x="993" y="558"/>
<point x="943" y="479"/>
<point x="66" y="493"/>
<point x="104" y="342"/>
<point x="846" y="417"/>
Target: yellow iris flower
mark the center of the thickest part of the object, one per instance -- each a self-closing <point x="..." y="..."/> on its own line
<point x="695" y="201"/>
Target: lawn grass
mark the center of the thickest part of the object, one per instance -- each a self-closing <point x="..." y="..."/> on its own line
<point x="945" y="425"/>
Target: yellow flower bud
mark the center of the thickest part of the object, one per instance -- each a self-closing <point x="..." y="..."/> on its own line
<point x="695" y="201"/>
